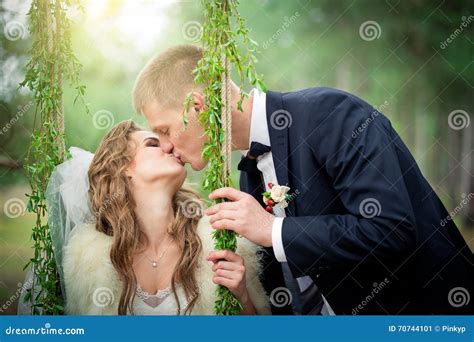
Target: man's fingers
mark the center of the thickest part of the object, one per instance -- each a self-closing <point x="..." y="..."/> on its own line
<point x="223" y="215"/>
<point x="226" y="224"/>
<point x="229" y="193"/>
<point x="221" y="206"/>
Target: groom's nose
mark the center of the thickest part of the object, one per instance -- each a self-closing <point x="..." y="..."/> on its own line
<point x="166" y="146"/>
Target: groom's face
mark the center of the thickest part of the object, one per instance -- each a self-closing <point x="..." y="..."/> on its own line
<point x="186" y="144"/>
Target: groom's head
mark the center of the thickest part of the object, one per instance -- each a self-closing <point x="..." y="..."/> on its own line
<point x="159" y="94"/>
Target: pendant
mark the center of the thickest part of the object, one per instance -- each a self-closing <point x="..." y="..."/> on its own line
<point x="154" y="264"/>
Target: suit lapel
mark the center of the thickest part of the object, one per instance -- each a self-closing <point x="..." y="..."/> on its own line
<point x="251" y="183"/>
<point x="279" y="142"/>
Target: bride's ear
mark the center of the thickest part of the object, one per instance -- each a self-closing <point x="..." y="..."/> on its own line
<point x="128" y="173"/>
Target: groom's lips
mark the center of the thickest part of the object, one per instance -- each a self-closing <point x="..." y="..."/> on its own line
<point x="178" y="160"/>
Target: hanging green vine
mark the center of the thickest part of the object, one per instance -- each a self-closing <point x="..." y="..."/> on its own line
<point x="52" y="60"/>
<point x="223" y="26"/>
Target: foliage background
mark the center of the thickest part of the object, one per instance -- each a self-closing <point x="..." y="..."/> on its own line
<point x="411" y="68"/>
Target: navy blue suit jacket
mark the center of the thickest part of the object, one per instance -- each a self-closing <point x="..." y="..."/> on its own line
<point x="364" y="224"/>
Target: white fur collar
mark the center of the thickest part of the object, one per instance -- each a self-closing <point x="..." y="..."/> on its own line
<point x="93" y="287"/>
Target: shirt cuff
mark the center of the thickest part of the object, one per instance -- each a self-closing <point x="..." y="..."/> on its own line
<point x="277" y="240"/>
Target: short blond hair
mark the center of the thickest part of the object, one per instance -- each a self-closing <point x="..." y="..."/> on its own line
<point x="167" y="78"/>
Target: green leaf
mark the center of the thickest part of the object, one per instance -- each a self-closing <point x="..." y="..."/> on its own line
<point x="261" y="85"/>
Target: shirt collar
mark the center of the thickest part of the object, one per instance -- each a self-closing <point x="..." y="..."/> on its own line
<point x="258" y="123"/>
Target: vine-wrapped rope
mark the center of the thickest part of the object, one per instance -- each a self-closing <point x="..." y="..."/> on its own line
<point x="54" y="41"/>
<point x="226" y="120"/>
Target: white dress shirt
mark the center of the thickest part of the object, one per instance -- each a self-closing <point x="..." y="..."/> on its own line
<point x="259" y="133"/>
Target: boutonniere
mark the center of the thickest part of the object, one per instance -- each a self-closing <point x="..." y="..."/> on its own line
<point x="277" y="196"/>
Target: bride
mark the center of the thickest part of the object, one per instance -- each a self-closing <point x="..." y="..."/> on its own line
<point x="144" y="250"/>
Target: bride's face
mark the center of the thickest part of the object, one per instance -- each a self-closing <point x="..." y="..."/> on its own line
<point x="150" y="164"/>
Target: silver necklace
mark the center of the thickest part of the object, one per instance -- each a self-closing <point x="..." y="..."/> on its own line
<point x="154" y="263"/>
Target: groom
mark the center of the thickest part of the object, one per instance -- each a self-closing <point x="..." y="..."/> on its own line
<point x="363" y="232"/>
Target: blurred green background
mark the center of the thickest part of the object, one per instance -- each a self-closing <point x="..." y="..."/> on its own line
<point x="413" y="58"/>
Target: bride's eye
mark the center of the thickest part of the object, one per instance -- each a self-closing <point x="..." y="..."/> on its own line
<point x="153" y="143"/>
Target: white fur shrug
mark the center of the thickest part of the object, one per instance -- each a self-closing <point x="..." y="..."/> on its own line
<point x="87" y="267"/>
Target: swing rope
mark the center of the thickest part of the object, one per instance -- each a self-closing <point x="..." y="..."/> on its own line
<point x="226" y="121"/>
<point x="219" y="40"/>
<point x="52" y="60"/>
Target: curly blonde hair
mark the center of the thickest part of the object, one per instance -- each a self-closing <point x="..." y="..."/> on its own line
<point x="113" y="205"/>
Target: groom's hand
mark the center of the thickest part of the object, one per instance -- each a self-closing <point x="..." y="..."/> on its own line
<point x="244" y="215"/>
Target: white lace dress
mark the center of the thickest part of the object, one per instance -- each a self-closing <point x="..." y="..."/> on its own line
<point x="160" y="303"/>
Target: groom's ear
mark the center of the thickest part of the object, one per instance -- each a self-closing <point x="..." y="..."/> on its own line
<point x="198" y="102"/>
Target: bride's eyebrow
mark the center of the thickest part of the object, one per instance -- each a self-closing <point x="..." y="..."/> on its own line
<point x="151" y="138"/>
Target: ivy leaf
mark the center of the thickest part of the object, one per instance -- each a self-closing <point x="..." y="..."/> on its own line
<point x="261" y="85"/>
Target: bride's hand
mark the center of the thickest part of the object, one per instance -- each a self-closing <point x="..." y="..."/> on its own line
<point x="229" y="271"/>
